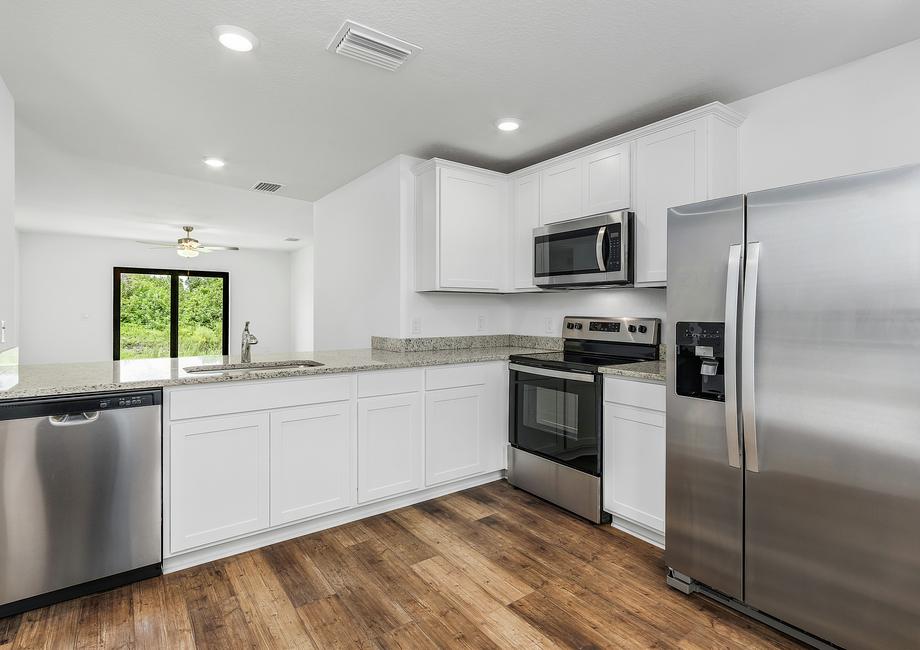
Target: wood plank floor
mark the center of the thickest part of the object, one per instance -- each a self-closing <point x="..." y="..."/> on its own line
<point x="491" y="567"/>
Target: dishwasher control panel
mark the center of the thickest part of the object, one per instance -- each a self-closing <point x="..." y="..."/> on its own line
<point x="73" y="404"/>
<point x="126" y="402"/>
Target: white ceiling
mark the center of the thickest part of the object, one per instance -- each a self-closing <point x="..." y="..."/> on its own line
<point x="60" y="192"/>
<point x="145" y="84"/>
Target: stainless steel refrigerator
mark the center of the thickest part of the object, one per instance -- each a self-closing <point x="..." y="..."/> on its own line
<point x="793" y="407"/>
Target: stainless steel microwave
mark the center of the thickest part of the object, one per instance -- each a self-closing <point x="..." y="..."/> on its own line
<point x="589" y="252"/>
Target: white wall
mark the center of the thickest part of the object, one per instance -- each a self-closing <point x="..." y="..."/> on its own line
<point x="66" y="287"/>
<point x="857" y="117"/>
<point x="357" y="260"/>
<point x="540" y="314"/>
<point x="57" y="191"/>
<point x="8" y="239"/>
<point x="302" y="321"/>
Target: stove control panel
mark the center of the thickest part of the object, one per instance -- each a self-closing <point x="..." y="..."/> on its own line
<point x="618" y="330"/>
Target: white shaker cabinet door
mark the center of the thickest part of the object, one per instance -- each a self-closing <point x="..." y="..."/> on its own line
<point x="634" y="464"/>
<point x="219" y="479"/>
<point x="456" y="438"/>
<point x="312" y="458"/>
<point x="473" y="224"/>
<point x="671" y="171"/>
<point x="606" y="180"/>
<point x="561" y="192"/>
<point x="390" y="445"/>
<point x="526" y="218"/>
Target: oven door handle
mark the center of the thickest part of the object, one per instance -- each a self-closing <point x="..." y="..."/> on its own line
<point x="599" y="248"/>
<point x="556" y="374"/>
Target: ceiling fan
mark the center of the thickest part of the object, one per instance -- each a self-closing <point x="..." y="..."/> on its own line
<point x="188" y="246"/>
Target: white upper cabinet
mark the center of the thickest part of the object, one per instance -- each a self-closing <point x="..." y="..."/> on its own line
<point x="685" y="163"/>
<point x="526" y="218"/>
<point x="561" y="192"/>
<point x="605" y="186"/>
<point x="474" y="227"/>
<point x="586" y="185"/>
<point x="462" y="223"/>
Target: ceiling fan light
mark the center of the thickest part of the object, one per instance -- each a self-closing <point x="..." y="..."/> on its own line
<point x="187" y="252"/>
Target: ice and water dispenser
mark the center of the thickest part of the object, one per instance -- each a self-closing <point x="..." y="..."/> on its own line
<point x="701" y="360"/>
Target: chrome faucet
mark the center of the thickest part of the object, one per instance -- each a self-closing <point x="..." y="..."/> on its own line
<point x="248" y="340"/>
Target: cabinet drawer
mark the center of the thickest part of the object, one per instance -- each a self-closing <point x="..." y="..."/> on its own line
<point x="390" y="382"/>
<point x="456" y="376"/>
<point x="635" y="393"/>
<point x="202" y="401"/>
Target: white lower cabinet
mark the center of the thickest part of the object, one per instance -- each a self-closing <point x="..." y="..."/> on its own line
<point x="466" y="421"/>
<point x="218" y="479"/>
<point x="294" y="459"/>
<point x="312" y="459"/>
<point x="454" y="433"/>
<point x="634" y="457"/>
<point x="390" y="445"/>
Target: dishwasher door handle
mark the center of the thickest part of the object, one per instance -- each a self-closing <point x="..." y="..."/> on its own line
<point x="73" y="420"/>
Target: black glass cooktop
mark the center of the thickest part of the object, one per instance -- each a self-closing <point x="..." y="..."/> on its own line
<point x="584" y="362"/>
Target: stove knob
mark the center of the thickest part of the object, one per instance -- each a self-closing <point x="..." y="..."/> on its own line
<point x="643" y="329"/>
<point x="632" y="328"/>
<point x="570" y="326"/>
<point x="578" y="326"/>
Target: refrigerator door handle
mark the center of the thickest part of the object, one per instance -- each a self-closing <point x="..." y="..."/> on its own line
<point x="732" y="288"/>
<point x="749" y="310"/>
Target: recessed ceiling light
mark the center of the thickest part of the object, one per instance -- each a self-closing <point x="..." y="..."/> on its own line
<point x="508" y="124"/>
<point x="215" y="163"/>
<point x="235" y="38"/>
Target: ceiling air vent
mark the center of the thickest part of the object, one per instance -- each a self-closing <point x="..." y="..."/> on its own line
<point x="265" y="186"/>
<point x="370" y="46"/>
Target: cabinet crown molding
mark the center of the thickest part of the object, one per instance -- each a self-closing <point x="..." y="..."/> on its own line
<point x="714" y="109"/>
<point x="428" y="165"/>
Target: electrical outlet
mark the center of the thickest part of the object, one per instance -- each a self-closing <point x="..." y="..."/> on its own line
<point x="481" y="323"/>
<point x="416" y="326"/>
<point x="548" y="325"/>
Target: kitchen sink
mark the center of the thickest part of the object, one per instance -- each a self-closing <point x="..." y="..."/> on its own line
<point x="255" y="366"/>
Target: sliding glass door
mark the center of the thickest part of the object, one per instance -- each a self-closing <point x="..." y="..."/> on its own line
<point x="169" y="313"/>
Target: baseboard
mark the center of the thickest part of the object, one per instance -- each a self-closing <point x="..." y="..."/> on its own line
<point x="644" y="533"/>
<point x="280" y="534"/>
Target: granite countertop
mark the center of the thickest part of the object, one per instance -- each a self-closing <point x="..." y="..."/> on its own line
<point x="40" y="380"/>
<point x="647" y="370"/>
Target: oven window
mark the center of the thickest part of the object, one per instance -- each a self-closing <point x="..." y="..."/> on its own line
<point x="556" y="418"/>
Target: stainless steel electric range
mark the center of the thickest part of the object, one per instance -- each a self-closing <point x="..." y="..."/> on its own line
<point x="556" y="415"/>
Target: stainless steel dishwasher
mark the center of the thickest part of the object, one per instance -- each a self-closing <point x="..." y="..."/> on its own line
<point x="80" y="495"/>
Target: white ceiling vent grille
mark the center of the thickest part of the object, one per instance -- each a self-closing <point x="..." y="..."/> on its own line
<point x="370" y="46"/>
<point x="265" y="186"/>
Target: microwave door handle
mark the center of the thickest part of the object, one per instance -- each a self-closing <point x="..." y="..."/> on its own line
<point x="599" y="248"/>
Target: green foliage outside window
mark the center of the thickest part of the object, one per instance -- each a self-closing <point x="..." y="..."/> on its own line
<point x="145" y="316"/>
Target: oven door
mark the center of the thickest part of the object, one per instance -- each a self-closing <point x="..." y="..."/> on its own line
<point x="586" y="251"/>
<point x="556" y="414"/>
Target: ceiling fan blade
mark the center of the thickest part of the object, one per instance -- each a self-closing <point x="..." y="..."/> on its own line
<point x="165" y="244"/>
<point x="211" y="249"/>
